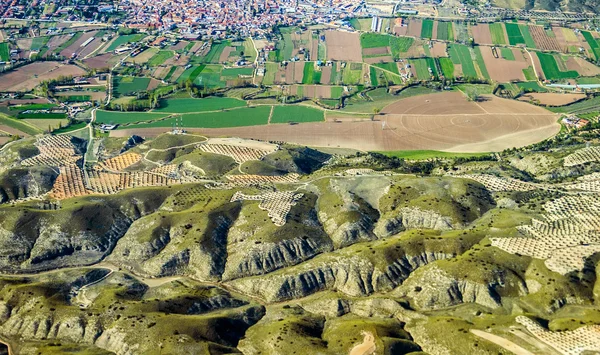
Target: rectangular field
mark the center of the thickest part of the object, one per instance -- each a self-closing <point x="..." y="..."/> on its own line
<point x="121" y="40"/>
<point x="115" y="117"/>
<point x="427" y="29"/>
<point x="445" y="32"/>
<point x="298" y="114"/>
<point x="461" y="54"/>
<point x="447" y="67"/>
<point x="4" y="52"/>
<point x="160" y="58"/>
<point x="198" y="105"/>
<point x="124" y="85"/>
<point x="247" y="116"/>
<point x="514" y="34"/>
<point x="593" y="43"/>
<point x="497" y="32"/>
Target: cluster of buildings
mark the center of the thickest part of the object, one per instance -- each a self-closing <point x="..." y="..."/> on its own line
<point x="574" y="122"/>
<point x="219" y="18"/>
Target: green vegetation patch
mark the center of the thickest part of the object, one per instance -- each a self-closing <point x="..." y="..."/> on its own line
<point x="115" y="117"/>
<point x="298" y="114"/>
<point x="38" y="43"/>
<point x="373" y="76"/>
<point x="551" y="70"/>
<point x="199" y="105"/>
<point x="531" y="86"/>
<point x="447" y="67"/>
<point x="529" y="42"/>
<point x="427" y="29"/>
<point x="514" y="34"/>
<point x="391" y="67"/>
<point x="423" y="66"/>
<point x="74" y="98"/>
<point x="461" y="54"/>
<point x="336" y="92"/>
<point x="160" y="58"/>
<point x="237" y="72"/>
<point x="4" y="52"/>
<point x="247" y="116"/>
<point x="374" y="40"/>
<point x="593" y="43"/>
<point x="42" y="115"/>
<point x="310" y="75"/>
<point x="70" y="128"/>
<point x="507" y="53"/>
<point x="497" y="32"/>
<point x="121" y="40"/>
<point x="215" y="52"/>
<point x="19" y="125"/>
<point x="125" y="85"/>
<point x="32" y="107"/>
<point x="445" y="31"/>
<point x="529" y="74"/>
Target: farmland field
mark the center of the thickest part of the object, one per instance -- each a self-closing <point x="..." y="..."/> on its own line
<point x="514" y="34"/>
<point x="445" y="31"/>
<point x="114" y="117"/>
<point x="247" y="116"/>
<point x="74" y="98"/>
<point x="215" y="52"/>
<point x="593" y="43"/>
<point x="160" y="58"/>
<point x="190" y="73"/>
<point x="447" y="67"/>
<point x="236" y="72"/>
<point x="298" y="114"/>
<point x="531" y="86"/>
<point x="121" y="40"/>
<point x="422" y="67"/>
<point x="374" y="40"/>
<point x="38" y="43"/>
<point x="461" y="54"/>
<point x="21" y="126"/>
<point x="481" y="62"/>
<point x="199" y="105"/>
<point x="551" y="69"/>
<point x="497" y="32"/>
<point x="507" y="53"/>
<point x="391" y="67"/>
<point x="527" y="37"/>
<point x="427" y="29"/>
<point x="124" y="85"/>
<point x="4" y="52"/>
<point x="42" y="115"/>
<point x="373" y="76"/>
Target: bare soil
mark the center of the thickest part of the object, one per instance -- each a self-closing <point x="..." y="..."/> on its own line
<point x="503" y="70"/>
<point x="29" y="76"/>
<point x="552" y="99"/>
<point x="482" y="34"/>
<point x="414" y="28"/>
<point x="343" y="46"/>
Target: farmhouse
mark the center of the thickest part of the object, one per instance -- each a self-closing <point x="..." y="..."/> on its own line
<point x="574" y="122"/>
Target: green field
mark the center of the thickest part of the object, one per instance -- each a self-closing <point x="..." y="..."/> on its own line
<point x="123" y="40"/>
<point x="160" y="58"/>
<point x="429" y="154"/>
<point x="373" y="76"/>
<point x="236" y="72"/>
<point x="170" y="73"/>
<point x="427" y="29"/>
<point x="298" y="114"/>
<point x="529" y="42"/>
<point x="374" y="40"/>
<point x="352" y="74"/>
<point x="198" y="105"/>
<point x="41" y="115"/>
<point x="115" y="117"/>
<point x="391" y="67"/>
<point x="497" y="31"/>
<point x="551" y="70"/>
<point x="124" y="85"/>
<point x="70" y="128"/>
<point x="529" y="74"/>
<point x="447" y="67"/>
<point x="481" y="63"/>
<point x="593" y="43"/>
<point x="4" y="52"/>
<point x="38" y="43"/>
<point x="286" y="47"/>
<point x="422" y="67"/>
<point x="271" y="70"/>
<point x="400" y="45"/>
<point x="445" y="31"/>
<point x="247" y="116"/>
<point x="74" y="98"/>
<point x="514" y="34"/>
<point x="190" y="73"/>
<point x="461" y="54"/>
<point x="531" y="86"/>
<point x="311" y="76"/>
<point x="585" y="106"/>
<point x="32" y="107"/>
<point x="336" y="92"/>
<point x="507" y="53"/>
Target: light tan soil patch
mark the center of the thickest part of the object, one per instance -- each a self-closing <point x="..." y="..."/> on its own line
<point x="90" y="48"/>
<point x="29" y="76"/>
<point x="401" y="30"/>
<point x="177" y="73"/>
<point x="56" y="41"/>
<point x="374" y="60"/>
<point x="179" y="45"/>
<point x="503" y="70"/>
<point x="343" y="46"/>
<point x="153" y="84"/>
<point x="537" y="65"/>
<point x="298" y="71"/>
<point x="482" y="34"/>
<point x="439" y="49"/>
<point x="552" y="99"/>
<point x="13" y="131"/>
<point x="367" y="347"/>
<point x="161" y="72"/>
<point x="225" y="54"/>
<point x="414" y="28"/>
<point x="376" y="51"/>
<point x="24" y="44"/>
<point x="326" y="75"/>
<point x="435" y="30"/>
<point x="143" y="57"/>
